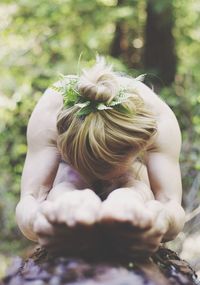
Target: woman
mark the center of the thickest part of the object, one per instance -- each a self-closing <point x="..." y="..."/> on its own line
<point x="102" y="149"/>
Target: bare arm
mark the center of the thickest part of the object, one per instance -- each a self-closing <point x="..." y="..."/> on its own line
<point x="41" y="162"/>
<point x="164" y="172"/>
<point x="37" y="179"/>
<point x="34" y="213"/>
<point x="163" y="160"/>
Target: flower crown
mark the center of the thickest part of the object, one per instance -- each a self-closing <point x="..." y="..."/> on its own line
<point x="72" y="97"/>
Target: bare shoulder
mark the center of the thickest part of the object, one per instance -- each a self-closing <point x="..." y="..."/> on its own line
<point x="168" y="137"/>
<point x="41" y="128"/>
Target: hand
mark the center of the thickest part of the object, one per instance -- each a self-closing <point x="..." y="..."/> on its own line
<point x="75" y="207"/>
<point x="133" y="228"/>
<point x="124" y="205"/>
<point x="148" y="240"/>
<point x="69" y="223"/>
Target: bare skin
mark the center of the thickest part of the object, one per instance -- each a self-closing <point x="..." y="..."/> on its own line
<point x="52" y="194"/>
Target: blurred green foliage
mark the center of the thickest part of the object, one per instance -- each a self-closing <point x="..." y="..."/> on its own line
<point x="40" y="39"/>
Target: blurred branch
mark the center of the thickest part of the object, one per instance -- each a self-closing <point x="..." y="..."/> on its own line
<point x="193" y="214"/>
<point x="191" y="197"/>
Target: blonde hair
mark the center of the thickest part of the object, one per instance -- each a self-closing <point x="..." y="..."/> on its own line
<point x="99" y="142"/>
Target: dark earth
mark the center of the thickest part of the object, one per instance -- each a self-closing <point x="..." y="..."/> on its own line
<point x="41" y="268"/>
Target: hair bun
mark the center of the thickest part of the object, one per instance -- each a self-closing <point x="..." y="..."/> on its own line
<point x="98" y="83"/>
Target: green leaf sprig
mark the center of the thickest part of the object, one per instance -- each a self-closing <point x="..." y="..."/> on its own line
<point x="72" y="97"/>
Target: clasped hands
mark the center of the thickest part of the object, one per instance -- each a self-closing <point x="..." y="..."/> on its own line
<point x="72" y="222"/>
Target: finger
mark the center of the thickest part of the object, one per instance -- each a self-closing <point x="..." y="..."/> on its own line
<point x="111" y="215"/>
<point x="64" y="211"/>
<point x="84" y="217"/>
<point x="159" y="212"/>
<point x="162" y="222"/>
<point x="149" y="235"/>
<point x="92" y="205"/>
<point x="48" y="210"/>
<point x="42" y="226"/>
<point x="140" y="218"/>
<point x="143" y="221"/>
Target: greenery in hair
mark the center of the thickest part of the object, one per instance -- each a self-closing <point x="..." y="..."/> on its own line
<point x="72" y="97"/>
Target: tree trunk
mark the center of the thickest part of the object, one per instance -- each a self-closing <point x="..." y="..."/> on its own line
<point x="122" y="44"/>
<point x="164" y="267"/>
<point x="159" y="52"/>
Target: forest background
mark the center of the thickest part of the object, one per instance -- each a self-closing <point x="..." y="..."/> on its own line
<point x="40" y="39"/>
